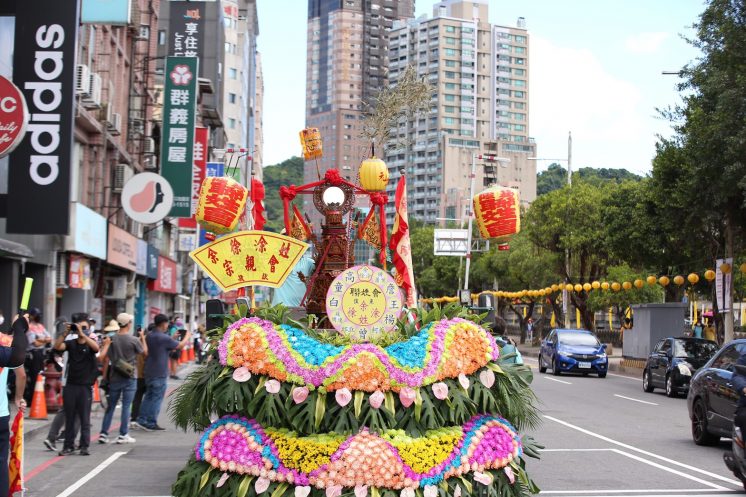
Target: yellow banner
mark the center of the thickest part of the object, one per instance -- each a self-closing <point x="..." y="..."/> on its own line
<point x="249" y="258"/>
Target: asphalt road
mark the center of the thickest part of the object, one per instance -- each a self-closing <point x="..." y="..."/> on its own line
<point x="606" y="437"/>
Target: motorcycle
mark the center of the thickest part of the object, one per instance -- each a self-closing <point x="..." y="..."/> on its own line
<point x="735" y="459"/>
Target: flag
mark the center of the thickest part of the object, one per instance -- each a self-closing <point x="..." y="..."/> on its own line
<point x="257" y="209"/>
<point x="400" y="246"/>
<point x="15" y="463"/>
<point x="370" y="230"/>
<point x="298" y="227"/>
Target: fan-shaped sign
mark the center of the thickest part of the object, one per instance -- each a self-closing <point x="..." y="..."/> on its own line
<point x="147" y="198"/>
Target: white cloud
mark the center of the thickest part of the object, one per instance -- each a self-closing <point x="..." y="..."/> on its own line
<point x="645" y="42"/>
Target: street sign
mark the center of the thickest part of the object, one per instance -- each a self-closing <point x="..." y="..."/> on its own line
<point x="147" y="198"/>
<point x="722" y="286"/>
<point x="450" y="242"/>
<point x="13" y="116"/>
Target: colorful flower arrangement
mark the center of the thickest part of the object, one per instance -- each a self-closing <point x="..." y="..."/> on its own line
<point x="444" y="349"/>
<point x="390" y="460"/>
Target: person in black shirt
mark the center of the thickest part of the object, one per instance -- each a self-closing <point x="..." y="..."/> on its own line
<point x="77" y="395"/>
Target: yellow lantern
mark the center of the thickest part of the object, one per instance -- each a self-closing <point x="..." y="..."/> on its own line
<point x="693" y="278"/>
<point x="555" y="288"/>
<point x="523" y="293"/>
<point x="638" y="283"/>
<point x="548" y="290"/>
<point x="605" y="285"/>
<point x="222" y="201"/>
<point x="587" y="287"/>
<point x="569" y="287"/>
<point x="616" y="286"/>
<point x="578" y="287"/>
<point x="725" y="268"/>
<point x="743" y="268"/>
<point x="709" y="275"/>
<point x="595" y="285"/>
<point x="664" y="281"/>
<point x="627" y="285"/>
<point x="497" y="211"/>
<point x="678" y="279"/>
<point x="651" y="280"/>
<point x="373" y="174"/>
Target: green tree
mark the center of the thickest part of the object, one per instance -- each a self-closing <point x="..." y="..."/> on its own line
<point x="555" y="177"/>
<point x="287" y="172"/>
<point x="602" y="300"/>
<point x="434" y="276"/>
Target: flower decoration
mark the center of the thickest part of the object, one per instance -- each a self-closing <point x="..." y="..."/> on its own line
<point x="407" y="396"/>
<point x="440" y="390"/>
<point x="343" y="396"/>
<point x="487" y="377"/>
<point x="241" y="375"/>
<point x="272" y="386"/>
<point x="300" y="394"/>
<point x="376" y="399"/>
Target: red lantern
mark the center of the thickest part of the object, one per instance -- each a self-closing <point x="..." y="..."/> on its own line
<point x="222" y="202"/>
<point x="497" y="211"/>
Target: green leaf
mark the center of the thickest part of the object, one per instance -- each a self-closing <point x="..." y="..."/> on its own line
<point x="494" y="367"/>
<point x="262" y="381"/>
<point x="467" y="485"/>
<point x="205" y="478"/>
<point x="389" y="403"/>
<point x="320" y="409"/>
<point x="374" y="492"/>
<point x="358" y="403"/>
<point x="280" y="490"/>
<point x="243" y="488"/>
<point x="417" y="405"/>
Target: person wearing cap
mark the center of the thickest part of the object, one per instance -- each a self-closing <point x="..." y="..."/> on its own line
<point x="39" y="341"/>
<point x="121" y="353"/>
<point x="156" y="372"/>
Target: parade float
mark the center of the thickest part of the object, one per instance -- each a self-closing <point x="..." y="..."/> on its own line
<point x="367" y="394"/>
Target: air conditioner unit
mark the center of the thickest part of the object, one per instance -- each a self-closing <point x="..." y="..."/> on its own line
<point x="149" y="146"/>
<point x="115" y="124"/>
<point x="122" y="174"/>
<point x="93" y="99"/>
<point x="115" y="288"/>
<point x="144" y="32"/>
<point x="106" y="113"/>
<point x="137" y="126"/>
<point x="82" y="80"/>
<point x="149" y="163"/>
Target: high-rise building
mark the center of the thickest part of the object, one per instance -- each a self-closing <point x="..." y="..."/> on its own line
<point x="480" y="106"/>
<point x="347" y="62"/>
<point x="258" y="155"/>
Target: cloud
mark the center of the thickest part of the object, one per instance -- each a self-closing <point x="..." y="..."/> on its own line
<point x="645" y="42"/>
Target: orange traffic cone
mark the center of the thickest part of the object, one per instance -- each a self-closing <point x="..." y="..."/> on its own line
<point x="184" y="356"/>
<point x="39" y="401"/>
<point x="96" y="393"/>
<point x="191" y="353"/>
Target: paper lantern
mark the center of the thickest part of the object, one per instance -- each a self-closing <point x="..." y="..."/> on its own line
<point x="373" y="174"/>
<point x="627" y="285"/>
<point x="222" y="202"/>
<point x="678" y="279"/>
<point x="569" y="287"/>
<point x="725" y="268"/>
<point x="664" y="281"/>
<point x="548" y="290"/>
<point x="497" y="212"/>
<point x="616" y="286"/>
<point x="709" y="275"/>
<point x="310" y="140"/>
<point x="587" y="287"/>
<point x="693" y="278"/>
<point x="605" y="285"/>
<point x="595" y="285"/>
<point x="651" y="280"/>
<point x="555" y="288"/>
<point x="743" y="268"/>
<point x="578" y="287"/>
<point x="638" y="283"/>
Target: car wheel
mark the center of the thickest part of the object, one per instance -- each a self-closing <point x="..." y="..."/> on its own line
<point x="670" y="390"/>
<point x="700" y="433"/>
<point x="542" y="367"/>
<point x="555" y="367"/>
<point x="647" y="381"/>
<point x="602" y="375"/>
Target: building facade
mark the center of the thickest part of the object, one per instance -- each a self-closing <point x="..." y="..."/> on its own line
<point x="479" y="72"/>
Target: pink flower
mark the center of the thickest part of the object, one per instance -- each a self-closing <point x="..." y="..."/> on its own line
<point x="483" y="478"/>
<point x="464" y="381"/>
<point x="430" y="491"/>
<point x="487" y="377"/>
<point x="407" y="396"/>
<point x="241" y="374"/>
<point x="261" y="485"/>
<point x="334" y="491"/>
<point x="457" y="492"/>
<point x="407" y="492"/>
<point x="440" y="390"/>
<point x="272" y="386"/>
<point x="222" y="480"/>
<point x="509" y="472"/>
<point x="376" y="399"/>
<point x="361" y="490"/>
<point x="343" y="396"/>
<point x="302" y="491"/>
<point x="300" y="394"/>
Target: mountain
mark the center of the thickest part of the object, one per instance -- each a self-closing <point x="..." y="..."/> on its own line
<point x="555" y="177"/>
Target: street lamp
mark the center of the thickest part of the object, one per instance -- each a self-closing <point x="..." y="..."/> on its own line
<point x="485" y="158"/>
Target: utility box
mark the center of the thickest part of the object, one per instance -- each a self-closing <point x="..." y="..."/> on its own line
<point x="651" y="323"/>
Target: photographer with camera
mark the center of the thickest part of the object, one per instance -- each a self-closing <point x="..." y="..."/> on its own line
<point x="81" y="372"/>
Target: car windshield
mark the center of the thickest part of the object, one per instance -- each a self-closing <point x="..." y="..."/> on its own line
<point x="694" y="349"/>
<point x="578" y="339"/>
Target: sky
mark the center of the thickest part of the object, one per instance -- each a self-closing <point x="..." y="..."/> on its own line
<point x="595" y="71"/>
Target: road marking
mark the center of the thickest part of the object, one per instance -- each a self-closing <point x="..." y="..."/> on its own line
<point x="602" y="493"/>
<point x="635" y="400"/>
<point x="575" y="450"/>
<point x="645" y="452"/>
<point x="534" y="359"/>
<point x="670" y="470"/>
<point x="72" y="488"/>
<point x="558" y="381"/>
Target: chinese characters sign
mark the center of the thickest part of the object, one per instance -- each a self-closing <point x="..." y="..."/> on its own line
<point x="177" y="142"/>
<point x="198" y="174"/>
<point x="186" y="27"/>
<point x="363" y="302"/>
<point x="497" y="211"/>
<point x="249" y="258"/>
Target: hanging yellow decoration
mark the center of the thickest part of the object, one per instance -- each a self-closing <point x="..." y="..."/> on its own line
<point x="569" y="287"/>
<point x="373" y="174"/>
<point x="595" y="285"/>
<point x="616" y="286"/>
<point x="627" y="285"/>
<point x="605" y="285"/>
<point x="678" y="279"/>
<point x="664" y="281"/>
<point x="651" y="280"/>
<point x="693" y="278"/>
<point x="638" y="283"/>
<point x="725" y="268"/>
<point x="709" y="275"/>
<point x="555" y="288"/>
<point x="743" y="268"/>
<point x="578" y="287"/>
<point x="587" y="287"/>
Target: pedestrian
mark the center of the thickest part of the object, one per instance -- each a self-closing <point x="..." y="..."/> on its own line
<point x="173" y="363"/>
<point x="120" y="352"/>
<point x="141" y="387"/>
<point x="20" y="324"/>
<point x="77" y="394"/>
<point x="156" y="372"/>
<point x="199" y="339"/>
<point x="39" y="341"/>
<point x="530" y="330"/>
<point x="698" y="329"/>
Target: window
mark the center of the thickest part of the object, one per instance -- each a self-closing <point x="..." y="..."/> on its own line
<point x="519" y="82"/>
<point x="519" y="72"/>
<point x="450" y="86"/>
<point x="450" y="74"/>
<point x="519" y="60"/>
<point x="231" y="123"/>
<point x="232" y="73"/>
<point x="451" y="52"/>
<point x="519" y="94"/>
<point x="520" y="49"/>
<point x="450" y="63"/>
<point x="519" y="105"/>
<point x="520" y="39"/>
<point x="162" y="37"/>
<point x="450" y="108"/>
<point x="232" y="98"/>
<point x="450" y="29"/>
<point x="450" y="98"/>
<point x="467" y="30"/>
<point x="450" y="40"/>
<point x="449" y="120"/>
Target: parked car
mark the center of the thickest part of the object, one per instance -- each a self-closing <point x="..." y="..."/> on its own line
<point x="573" y="351"/>
<point x="712" y="400"/>
<point x="673" y="361"/>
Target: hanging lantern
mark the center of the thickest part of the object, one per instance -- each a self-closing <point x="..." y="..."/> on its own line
<point x="548" y="290"/>
<point x="693" y="278"/>
<point x="587" y="287"/>
<point x="578" y="287"/>
<point x="638" y="283"/>
<point x="222" y="202"/>
<point x="709" y="275"/>
<point x="664" y="281"/>
<point x="497" y="211"/>
<point x="627" y="285"/>
<point x="605" y="285"/>
<point x="569" y="287"/>
<point x="743" y="268"/>
<point x="373" y="174"/>
<point x="555" y="288"/>
<point x="678" y="279"/>
<point x="725" y="268"/>
<point x="616" y="286"/>
<point x="651" y="280"/>
<point x="595" y="285"/>
<point x="310" y="140"/>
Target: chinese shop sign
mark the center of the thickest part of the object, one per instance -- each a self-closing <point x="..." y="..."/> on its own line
<point x="186" y="29"/>
<point x="198" y="174"/>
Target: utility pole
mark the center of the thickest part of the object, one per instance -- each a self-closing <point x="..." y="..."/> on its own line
<point x="565" y="293"/>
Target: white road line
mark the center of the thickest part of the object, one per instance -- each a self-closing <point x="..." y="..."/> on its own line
<point x="601" y="493"/>
<point x="635" y="400"/>
<point x="634" y="378"/>
<point x="576" y="450"/>
<point x="72" y="488"/>
<point x="646" y="453"/>
<point x="670" y="470"/>
<point x="558" y="381"/>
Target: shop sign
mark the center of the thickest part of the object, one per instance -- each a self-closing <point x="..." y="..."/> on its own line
<point x="13" y="116"/>
<point x="122" y="248"/>
<point x="166" y="280"/>
<point x="152" y="268"/>
<point x="142" y="257"/>
<point x="198" y="175"/>
<point x="88" y="232"/>
<point x="79" y="275"/>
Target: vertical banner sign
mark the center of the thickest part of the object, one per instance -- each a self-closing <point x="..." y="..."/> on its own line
<point x="177" y="142"/>
<point x="185" y="28"/>
<point x="46" y="36"/>
<point x="198" y="174"/>
<point x="722" y="285"/>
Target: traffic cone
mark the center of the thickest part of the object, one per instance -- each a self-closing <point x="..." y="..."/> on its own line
<point x="39" y="401"/>
<point x="96" y="393"/>
<point x="191" y="354"/>
<point x="184" y="356"/>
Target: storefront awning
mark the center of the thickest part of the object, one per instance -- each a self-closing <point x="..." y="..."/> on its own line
<point x="13" y="249"/>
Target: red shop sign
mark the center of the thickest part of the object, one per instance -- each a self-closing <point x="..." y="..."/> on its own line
<point x="13" y="116"/>
<point x="166" y="280"/>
